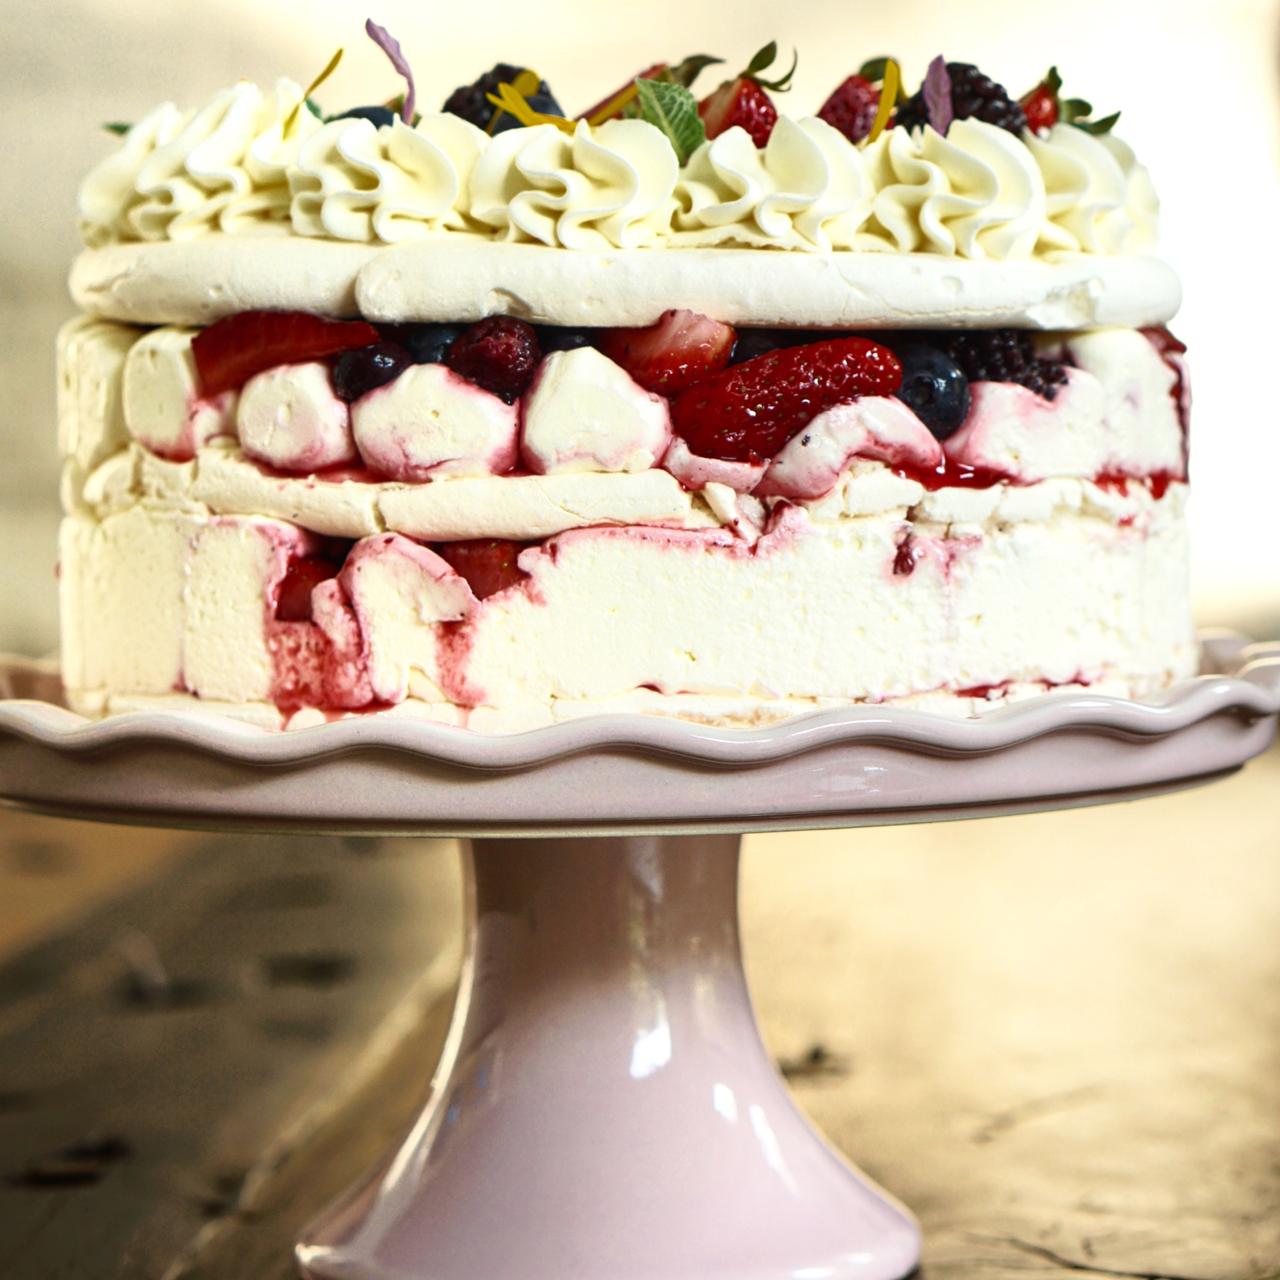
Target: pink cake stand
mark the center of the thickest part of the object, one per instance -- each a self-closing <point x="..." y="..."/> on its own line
<point x="604" y="1106"/>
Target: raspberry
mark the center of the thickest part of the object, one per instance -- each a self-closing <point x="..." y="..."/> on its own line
<point x="1002" y="355"/>
<point x="681" y="349"/>
<point x="852" y="108"/>
<point x="749" y="411"/>
<point x="488" y="564"/>
<point x="974" y="96"/>
<point x="499" y="354"/>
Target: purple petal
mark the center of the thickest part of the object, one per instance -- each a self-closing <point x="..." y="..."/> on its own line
<point x="937" y="94"/>
<point x="391" y="47"/>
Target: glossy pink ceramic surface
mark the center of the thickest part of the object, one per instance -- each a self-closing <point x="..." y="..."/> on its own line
<point x="605" y="1108"/>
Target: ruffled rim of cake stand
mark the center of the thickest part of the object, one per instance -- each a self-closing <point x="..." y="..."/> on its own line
<point x="1242" y="679"/>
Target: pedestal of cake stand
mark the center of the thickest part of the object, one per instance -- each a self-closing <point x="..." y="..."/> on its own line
<point x="605" y="1107"/>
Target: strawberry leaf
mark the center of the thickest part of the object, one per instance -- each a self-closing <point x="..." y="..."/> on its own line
<point x="118" y="127"/>
<point x="689" y="70"/>
<point x="763" y="58"/>
<point x="674" y="110"/>
<point x="875" y="70"/>
<point x="1098" y="127"/>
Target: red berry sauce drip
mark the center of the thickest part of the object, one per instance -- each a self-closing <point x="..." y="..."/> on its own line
<point x="906" y="559"/>
<point x="304" y="574"/>
<point x="951" y="474"/>
<point x="1157" y="482"/>
<point x="1171" y="351"/>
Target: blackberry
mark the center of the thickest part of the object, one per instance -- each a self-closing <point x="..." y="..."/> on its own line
<point x="1002" y="355"/>
<point x="974" y="96"/>
<point x="471" y="102"/>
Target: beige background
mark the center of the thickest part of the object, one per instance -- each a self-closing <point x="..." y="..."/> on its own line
<point x="1197" y="82"/>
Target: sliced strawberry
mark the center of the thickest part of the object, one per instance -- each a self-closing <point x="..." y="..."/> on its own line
<point x="852" y="108"/>
<point x="488" y="564"/>
<point x="611" y="105"/>
<point x="681" y="349"/>
<point x="748" y="412"/>
<point x="293" y="598"/>
<point x="229" y="352"/>
<point x="742" y="102"/>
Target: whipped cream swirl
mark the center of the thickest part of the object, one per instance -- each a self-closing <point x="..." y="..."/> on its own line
<point x="975" y="193"/>
<point x="1098" y="198"/>
<point x="221" y="168"/>
<point x="354" y="181"/>
<point x="605" y="187"/>
<point x="808" y="188"/>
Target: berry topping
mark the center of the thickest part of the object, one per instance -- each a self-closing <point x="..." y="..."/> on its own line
<point x="933" y="387"/>
<point x="293" y="596"/>
<point x="620" y="101"/>
<point x="974" y="96"/>
<point x="379" y="117"/>
<point x="852" y="108"/>
<point x="356" y="373"/>
<point x="499" y="354"/>
<point x="682" y="348"/>
<point x="230" y="352"/>
<point x="471" y="101"/>
<point x="1045" y="106"/>
<point x="488" y="564"/>
<point x="556" y="337"/>
<point x="743" y="101"/>
<point x="748" y="412"/>
<point x="1002" y="355"/>
<point x="425" y="343"/>
<point x="1041" y="105"/>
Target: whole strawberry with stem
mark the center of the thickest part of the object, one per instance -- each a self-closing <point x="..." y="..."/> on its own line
<point x="750" y="410"/>
<point x="744" y="100"/>
<point x="1045" y="106"/>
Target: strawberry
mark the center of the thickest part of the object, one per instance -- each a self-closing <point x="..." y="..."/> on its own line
<point x="743" y="101"/>
<point x="681" y="349"/>
<point x="293" y="596"/>
<point x="852" y="108"/>
<point x="499" y="354"/>
<point x="612" y="105"/>
<point x="1041" y="107"/>
<point x="748" y="412"/>
<point x="488" y="564"/>
<point x="229" y="352"/>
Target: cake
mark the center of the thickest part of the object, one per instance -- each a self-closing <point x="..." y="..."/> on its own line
<point x="497" y="418"/>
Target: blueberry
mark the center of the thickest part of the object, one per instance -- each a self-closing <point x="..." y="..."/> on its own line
<point x="356" y="373"/>
<point x="379" y="117"/>
<point x="758" y="342"/>
<point x="934" y="387"/>
<point x="471" y="101"/>
<point x="427" y="343"/>
<point x="555" y="337"/>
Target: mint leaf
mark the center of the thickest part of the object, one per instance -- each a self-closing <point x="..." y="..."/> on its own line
<point x="674" y="110"/>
